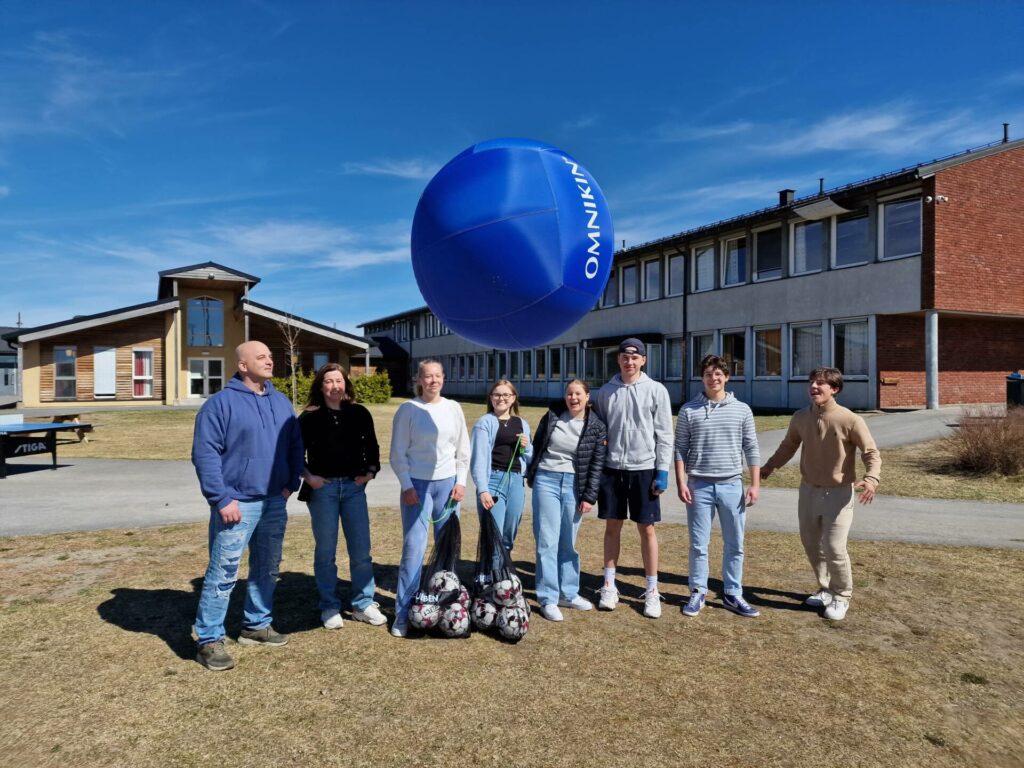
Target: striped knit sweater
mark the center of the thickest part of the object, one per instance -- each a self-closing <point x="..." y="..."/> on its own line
<point x="714" y="438"/>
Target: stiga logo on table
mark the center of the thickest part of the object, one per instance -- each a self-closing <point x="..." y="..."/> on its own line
<point x="31" y="448"/>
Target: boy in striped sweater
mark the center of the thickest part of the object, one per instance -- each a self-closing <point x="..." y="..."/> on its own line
<point x="715" y="436"/>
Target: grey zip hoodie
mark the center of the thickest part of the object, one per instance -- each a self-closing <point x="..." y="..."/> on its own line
<point x="639" y="419"/>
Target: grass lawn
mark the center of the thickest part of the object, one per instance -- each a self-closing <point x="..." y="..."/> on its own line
<point x="928" y="668"/>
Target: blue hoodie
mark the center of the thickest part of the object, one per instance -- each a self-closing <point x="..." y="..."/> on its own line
<point x="246" y="446"/>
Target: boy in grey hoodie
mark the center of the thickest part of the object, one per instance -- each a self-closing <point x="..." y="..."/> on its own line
<point x="638" y="413"/>
<point x="715" y="433"/>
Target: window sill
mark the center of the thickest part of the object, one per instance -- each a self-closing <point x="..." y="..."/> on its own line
<point x="897" y="258"/>
<point x="767" y="279"/>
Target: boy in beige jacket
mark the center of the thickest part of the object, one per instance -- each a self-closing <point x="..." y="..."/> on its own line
<point x="830" y="435"/>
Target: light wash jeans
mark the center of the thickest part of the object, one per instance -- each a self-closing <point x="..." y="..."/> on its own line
<point x="555" y="525"/>
<point x="262" y="530"/>
<point x="727" y="499"/>
<point x="344" y="499"/>
<point x="433" y="496"/>
<point x="508" y="506"/>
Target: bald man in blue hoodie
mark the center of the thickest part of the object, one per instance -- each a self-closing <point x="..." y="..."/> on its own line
<point x="248" y="454"/>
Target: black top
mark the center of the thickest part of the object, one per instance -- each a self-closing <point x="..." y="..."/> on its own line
<point x="505" y="443"/>
<point x="340" y="443"/>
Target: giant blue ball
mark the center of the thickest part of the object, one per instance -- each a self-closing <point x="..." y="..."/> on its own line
<point x="512" y="243"/>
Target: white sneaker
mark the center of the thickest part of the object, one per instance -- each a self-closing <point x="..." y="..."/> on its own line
<point x="331" y="619"/>
<point x="837" y="609"/>
<point x="399" y="630"/>
<point x="551" y="612"/>
<point x="819" y="599"/>
<point x="579" y="602"/>
<point x="652" y="604"/>
<point x="371" y="615"/>
<point x="609" y="598"/>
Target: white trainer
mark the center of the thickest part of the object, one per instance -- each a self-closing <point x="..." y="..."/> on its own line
<point x="609" y="598"/>
<point x="551" y="612"/>
<point x="819" y="599"/>
<point x="652" y="604"/>
<point x="579" y="602"/>
<point x="399" y="630"/>
<point x="837" y="609"/>
<point x="371" y="615"/>
<point x="331" y="619"/>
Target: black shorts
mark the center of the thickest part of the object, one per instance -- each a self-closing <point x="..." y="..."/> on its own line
<point x="629" y="490"/>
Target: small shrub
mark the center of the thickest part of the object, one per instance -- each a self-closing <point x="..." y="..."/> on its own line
<point x="373" y="389"/>
<point x="303" y="382"/>
<point x="990" y="442"/>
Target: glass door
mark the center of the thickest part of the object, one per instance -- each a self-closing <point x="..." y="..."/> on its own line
<point x="205" y="376"/>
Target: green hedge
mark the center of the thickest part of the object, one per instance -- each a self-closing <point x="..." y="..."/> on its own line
<point x="373" y="389"/>
<point x="303" y="381"/>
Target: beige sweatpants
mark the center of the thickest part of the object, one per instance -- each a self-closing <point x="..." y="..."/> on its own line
<point x="825" y="518"/>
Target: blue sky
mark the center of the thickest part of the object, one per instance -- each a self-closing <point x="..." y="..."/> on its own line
<point x="291" y="140"/>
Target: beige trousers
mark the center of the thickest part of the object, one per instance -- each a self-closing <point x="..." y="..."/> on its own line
<point x="825" y="518"/>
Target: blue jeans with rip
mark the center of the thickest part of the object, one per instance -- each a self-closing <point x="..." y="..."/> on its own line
<point x="345" y="500"/>
<point x="726" y="499"/>
<point x="508" y="495"/>
<point x="262" y="530"/>
<point x="433" y="495"/>
<point x="555" y="525"/>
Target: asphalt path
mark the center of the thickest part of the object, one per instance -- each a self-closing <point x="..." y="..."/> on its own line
<point x="92" y="494"/>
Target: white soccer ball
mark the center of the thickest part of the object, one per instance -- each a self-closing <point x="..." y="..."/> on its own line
<point x="443" y="581"/>
<point x="454" y="621"/>
<point x="424" y="615"/>
<point x="507" y="591"/>
<point x="512" y="622"/>
<point x="484" y="613"/>
<point x="463" y="598"/>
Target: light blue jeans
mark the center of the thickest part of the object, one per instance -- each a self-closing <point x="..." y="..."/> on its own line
<point x="262" y="530"/>
<point x="433" y="496"/>
<point x="727" y="499"/>
<point x="344" y="499"/>
<point x="555" y="525"/>
<point x="508" y="504"/>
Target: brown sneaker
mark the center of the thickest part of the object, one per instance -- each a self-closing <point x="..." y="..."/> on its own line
<point x="215" y="657"/>
<point x="265" y="636"/>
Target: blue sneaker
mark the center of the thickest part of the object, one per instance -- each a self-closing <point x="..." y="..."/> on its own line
<point x="694" y="604"/>
<point x="737" y="604"/>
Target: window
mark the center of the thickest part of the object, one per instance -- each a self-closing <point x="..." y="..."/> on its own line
<point x="675" y="357"/>
<point x="703" y="268"/>
<point x="901" y="229"/>
<point x="768" y="352"/>
<point x="629" y="292"/>
<point x="528" y="364"/>
<point x="320" y="359"/>
<point x="702" y="346"/>
<point x="465" y="366"/>
<point x="806" y="349"/>
<point x="611" y="290"/>
<point x="542" y="358"/>
<point x="501" y="364"/>
<point x="593" y="358"/>
<point x="570" y="362"/>
<point x="850" y="347"/>
<point x="481" y="365"/>
<point x="556" y="363"/>
<point x="734" y="262"/>
<point x="205" y="324"/>
<point x="654" y="361"/>
<point x="611" y="362"/>
<point x="734" y="350"/>
<point x="676" y="274"/>
<point x="652" y="279"/>
<point x="513" y="365"/>
<point x="491" y="364"/>
<point x="142" y="373"/>
<point x="768" y="254"/>
<point x="65" y="384"/>
<point x="853" y="240"/>
<point x="810" y="243"/>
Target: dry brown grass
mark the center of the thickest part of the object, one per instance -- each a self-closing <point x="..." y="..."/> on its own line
<point x="928" y="669"/>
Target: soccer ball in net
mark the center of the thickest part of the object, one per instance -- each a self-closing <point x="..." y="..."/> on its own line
<point x="484" y="613"/>
<point x="507" y="591"/>
<point x="512" y="622"/>
<point x="454" y="621"/>
<point x="444" y="581"/>
<point x="424" y="615"/>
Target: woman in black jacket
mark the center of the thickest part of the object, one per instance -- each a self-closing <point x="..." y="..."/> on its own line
<point x="342" y="456"/>
<point x="568" y="456"/>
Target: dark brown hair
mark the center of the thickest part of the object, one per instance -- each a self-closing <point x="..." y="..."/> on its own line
<point x="831" y="376"/>
<point x="714" y="361"/>
<point x="316" y="389"/>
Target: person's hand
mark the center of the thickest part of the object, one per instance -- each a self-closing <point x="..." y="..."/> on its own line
<point x="286" y="492"/>
<point x="363" y="479"/>
<point x="685" y="494"/>
<point x="660" y="483"/>
<point x="231" y="513"/>
<point x="867" y="491"/>
<point x="410" y="498"/>
<point x="315" y="482"/>
<point x="766" y="471"/>
<point x="486" y="500"/>
<point x="458" y="492"/>
<point x="524" y="441"/>
<point x="753" y="493"/>
<point x="585" y="506"/>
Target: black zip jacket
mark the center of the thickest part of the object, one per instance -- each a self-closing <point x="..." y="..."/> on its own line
<point x="347" y="448"/>
<point x="590" y="451"/>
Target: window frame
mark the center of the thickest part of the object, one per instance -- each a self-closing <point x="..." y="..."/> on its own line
<point x="151" y="378"/>
<point x="612" y="286"/>
<point x="863" y="320"/>
<point x="74" y="367"/>
<point x="679" y="341"/>
<point x="754" y="234"/>
<point x="725" y="261"/>
<point x="633" y="268"/>
<point x="824" y="255"/>
<point x="883" y="206"/>
<point x="210" y="301"/>
<point x="682" y="275"/>
<point x="695" y="266"/>
<point x="768" y="376"/>
<point x="863" y="213"/>
<point x="696" y="358"/>
<point x="793" y="329"/>
<point x="721" y="345"/>
<point x="645" y="265"/>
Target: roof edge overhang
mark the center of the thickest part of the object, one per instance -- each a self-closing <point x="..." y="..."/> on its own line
<point x="301" y="323"/>
<point x="93" y="321"/>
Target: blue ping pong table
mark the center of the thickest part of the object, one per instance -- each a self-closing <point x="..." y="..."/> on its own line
<point x="18" y="440"/>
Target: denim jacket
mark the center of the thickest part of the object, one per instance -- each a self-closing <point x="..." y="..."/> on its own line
<point x="482" y="443"/>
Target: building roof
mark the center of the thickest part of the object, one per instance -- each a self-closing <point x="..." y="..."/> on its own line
<point x="82" y="322"/>
<point x="5" y="347"/>
<point x="302" y="323"/>
<point x="206" y="271"/>
<point x="396" y="316"/>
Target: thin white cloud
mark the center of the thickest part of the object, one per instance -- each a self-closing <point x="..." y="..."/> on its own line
<point x="5" y="191"/>
<point x="579" y="124"/>
<point x="416" y="169"/>
<point x="672" y="132"/>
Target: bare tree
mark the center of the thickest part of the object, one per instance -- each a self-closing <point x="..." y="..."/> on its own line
<point x="290" y="335"/>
